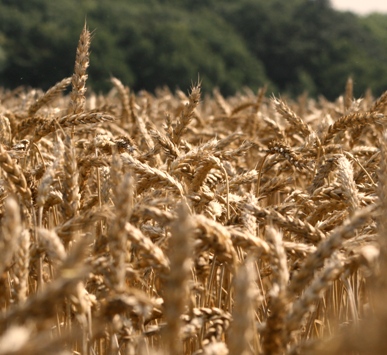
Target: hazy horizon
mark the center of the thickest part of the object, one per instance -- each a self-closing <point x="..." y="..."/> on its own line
<point x="360" y="7"/>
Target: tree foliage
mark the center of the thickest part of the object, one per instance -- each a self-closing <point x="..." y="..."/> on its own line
<point x="292" y="45"/>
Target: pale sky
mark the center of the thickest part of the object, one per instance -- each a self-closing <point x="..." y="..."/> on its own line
<point x="360" y="6"/>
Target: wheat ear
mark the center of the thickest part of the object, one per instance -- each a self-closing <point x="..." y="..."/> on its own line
<point x="78" y="81"/>
<point x="358" y="119"/>
<point x="15" y="175"/>
<point x="21" y="267"/>
<point x="313" y="292"/>
<point x="124" y="97"/>
<point x="380" y="104"/>
<point x="176" y="291"/>
<point x="348" y="95"/>
<point x="286" y="112"/>
<point x="70" y="182"/>
<point x="11" y="229"/>
<point x="187" y="113"/>
<point x="72" y="120"/>
<point x="274" y="341"/>
<point x="326" y="248"/>
<point x="123" y="201"/>
<point x="345" y="177"/>
<point x="241" y="332"/>
<point x="48" y="96"/>
<point x="5" y="130"/>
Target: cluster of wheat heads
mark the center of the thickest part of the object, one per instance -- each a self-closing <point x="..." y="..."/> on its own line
<point x="179" y="224"/>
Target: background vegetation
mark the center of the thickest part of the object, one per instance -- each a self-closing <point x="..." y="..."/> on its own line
<point x="291" y="45"/>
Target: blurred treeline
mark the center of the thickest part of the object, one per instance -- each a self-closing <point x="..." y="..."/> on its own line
<point x="291" y="45"/>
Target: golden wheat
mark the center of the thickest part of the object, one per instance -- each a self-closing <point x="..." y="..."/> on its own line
<point x="175" y="223"/>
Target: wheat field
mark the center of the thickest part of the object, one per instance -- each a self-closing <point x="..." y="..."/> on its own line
<point x="173" y="223"/>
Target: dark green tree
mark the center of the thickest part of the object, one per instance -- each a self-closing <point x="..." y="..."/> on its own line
<point x="295" y="45"/>
<point x="376" y="27"/>
<point x="304" y="44"/>
<point x="144" y="43"/>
